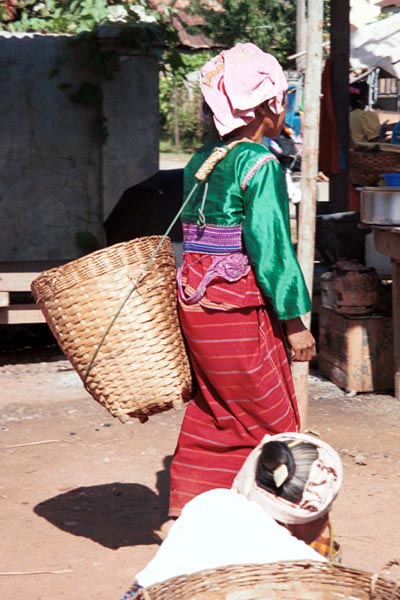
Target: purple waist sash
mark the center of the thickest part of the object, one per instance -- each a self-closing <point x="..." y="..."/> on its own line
<point x="212" y="239"/>
<point x="230" y="267"/>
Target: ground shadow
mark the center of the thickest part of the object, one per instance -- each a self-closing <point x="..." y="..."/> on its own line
<point x="113" y="514"/>
<point x="30" y="343"/>
<point x="163" y="484"/>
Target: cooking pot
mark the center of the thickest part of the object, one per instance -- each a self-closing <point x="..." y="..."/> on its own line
<point x="380" y="205"/>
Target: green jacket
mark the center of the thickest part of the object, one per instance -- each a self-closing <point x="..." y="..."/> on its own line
<point x="248" y="188"/>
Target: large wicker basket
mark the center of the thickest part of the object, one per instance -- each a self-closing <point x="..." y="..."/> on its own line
<point x="278" y="581"/>
<point x="114" y="316"/>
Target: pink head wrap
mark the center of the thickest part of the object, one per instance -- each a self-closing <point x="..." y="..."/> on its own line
<point x="237" y="81"/>
<point x="322" y="487"/>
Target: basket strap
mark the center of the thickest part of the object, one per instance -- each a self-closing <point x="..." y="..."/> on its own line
<point x="385" y="569"/>
<point x="206" y="168"/>
<point x="216" y="155"/>
<point x="331" y="541"/>
<point x="137" y="281"/>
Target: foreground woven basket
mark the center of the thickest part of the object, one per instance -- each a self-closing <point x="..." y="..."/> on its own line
<point x="278" y="581"/>
<point x="125" y="343"/>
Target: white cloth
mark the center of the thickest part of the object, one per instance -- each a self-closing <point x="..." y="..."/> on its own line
<point x="322" y="486"/>
<point x="237" y="81"/>
<point x="218" y="528"/>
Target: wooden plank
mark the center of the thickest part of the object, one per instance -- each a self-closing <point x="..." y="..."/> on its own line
<point x="19" y="314"/>
<point x="356" y="353"/>
<point x="17" y="276"/>
<point x="16" y="282"/>
<point x="388" y="242"/>
<point x="4" y="299"/>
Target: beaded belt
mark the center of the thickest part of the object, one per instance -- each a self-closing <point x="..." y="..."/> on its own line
<point x="212" y="239"/>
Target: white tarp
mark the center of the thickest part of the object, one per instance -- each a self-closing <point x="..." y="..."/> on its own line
<point x="377" y="45"/>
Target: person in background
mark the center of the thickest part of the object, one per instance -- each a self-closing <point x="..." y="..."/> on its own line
<point x="278" y="504"/>
<point x="365" y="125"/>
<point x="241" y="292"/>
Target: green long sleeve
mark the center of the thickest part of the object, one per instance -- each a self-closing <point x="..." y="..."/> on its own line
<point x="266" y="233"/>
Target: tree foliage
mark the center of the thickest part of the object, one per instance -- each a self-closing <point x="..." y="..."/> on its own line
<point x="180" y="102"/>
<point x="55" y="16"/>
<point x="75" y="16"/>
<point x="270" y="24"/>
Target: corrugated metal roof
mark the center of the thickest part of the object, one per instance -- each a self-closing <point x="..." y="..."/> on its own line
<point x="182" y="20"/>
<point x="388" y="3"/>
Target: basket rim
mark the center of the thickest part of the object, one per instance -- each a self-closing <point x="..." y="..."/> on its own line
<point x="106" y="251"/>
<point x="102" y="263"/>
<point x="334" y="574"/>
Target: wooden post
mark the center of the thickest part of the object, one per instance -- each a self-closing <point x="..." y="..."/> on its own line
<point x="177" y="138"/>
<point x="387" y="241"/>
<point x="340" y="51"/>
<point x="301" y="33"/>
<point x="309" y="172"/>
<point x="396" y="321"/>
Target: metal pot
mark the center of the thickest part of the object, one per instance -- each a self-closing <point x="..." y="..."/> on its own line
<point x="380" y="205"/>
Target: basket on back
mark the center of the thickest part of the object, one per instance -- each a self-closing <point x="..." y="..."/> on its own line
<point x="276" y="581"/>
<point x="114" y="316"/>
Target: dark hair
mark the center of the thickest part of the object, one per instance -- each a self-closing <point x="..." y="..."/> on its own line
<point x="298" y="461"/>
<point x="359" y="94"/>
<point x="357" y="102"/>
<point x="209" y="130"/>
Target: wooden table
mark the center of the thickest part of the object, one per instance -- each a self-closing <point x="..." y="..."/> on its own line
<point x="387" y="241"/>
<point x="16" y="277"/>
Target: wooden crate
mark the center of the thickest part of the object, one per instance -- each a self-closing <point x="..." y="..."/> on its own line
<point x="15" y="279"/>
<point x="356" y="352"/>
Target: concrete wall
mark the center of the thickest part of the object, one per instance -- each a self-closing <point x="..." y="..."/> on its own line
<point x="131" y="151"/>
<point x="56" y="179"/>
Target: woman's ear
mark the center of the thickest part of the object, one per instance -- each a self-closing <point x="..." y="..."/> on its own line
<point x="261" y="110"/>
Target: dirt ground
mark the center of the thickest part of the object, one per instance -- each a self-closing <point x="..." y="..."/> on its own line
<point x="83" y="495"/>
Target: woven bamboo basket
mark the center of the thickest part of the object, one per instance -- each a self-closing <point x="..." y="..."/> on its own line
<point x="277" y="581"/>
<point x="114" y="316"/>
<point x="366" y="167"/>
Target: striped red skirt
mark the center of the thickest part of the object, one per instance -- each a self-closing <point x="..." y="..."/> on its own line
<point x="244" y="390"/>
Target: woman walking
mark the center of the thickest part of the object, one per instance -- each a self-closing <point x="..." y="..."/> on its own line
<point x="240" y="288"/>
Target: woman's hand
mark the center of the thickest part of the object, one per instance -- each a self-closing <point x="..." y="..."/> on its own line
<point x="300" y="339"/>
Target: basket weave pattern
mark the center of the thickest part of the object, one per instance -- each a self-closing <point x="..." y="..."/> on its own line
<point x="366" y="167"/>
<point x="278" y="581"/>
<point x="141" y="365"/>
